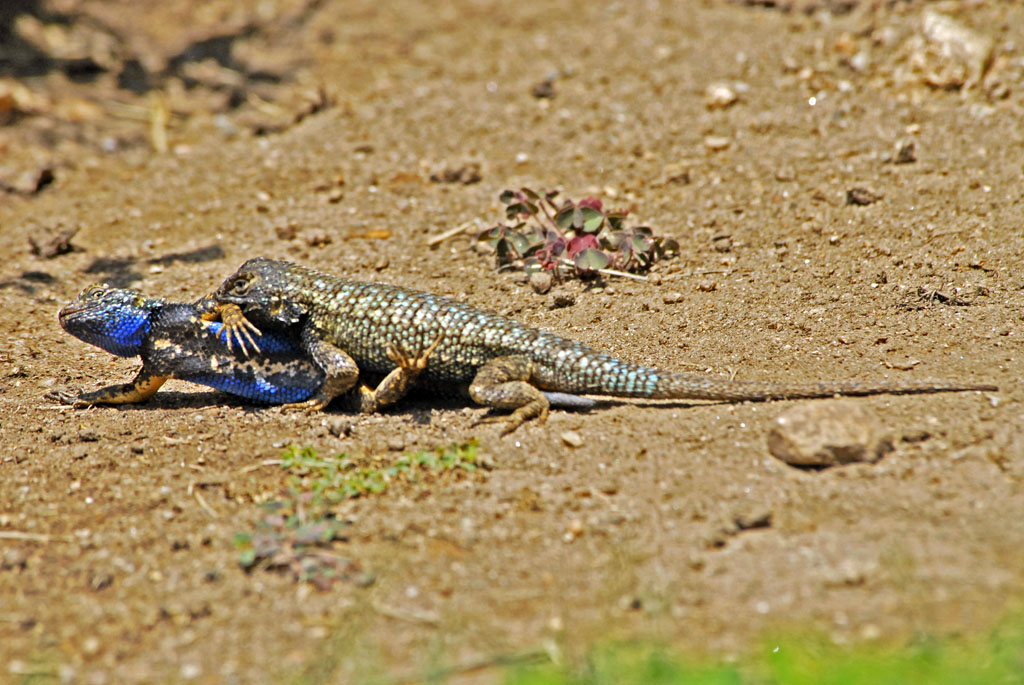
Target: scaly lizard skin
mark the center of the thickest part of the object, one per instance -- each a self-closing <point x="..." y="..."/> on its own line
<point x="177" y="340"/>
<point x="348" y="327"/>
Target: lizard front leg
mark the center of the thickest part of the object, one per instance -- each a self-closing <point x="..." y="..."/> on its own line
<point x="340" y="370"/>
<point x="141" y="389"/>
<point x="236" y="328"/>
<point x="502" y="383"/>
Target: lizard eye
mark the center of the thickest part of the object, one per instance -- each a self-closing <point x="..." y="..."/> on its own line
<point x="239" y="286"/>
<point x="95" y="292"/>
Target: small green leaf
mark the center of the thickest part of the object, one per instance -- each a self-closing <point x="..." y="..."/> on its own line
<point x="564" y="217"/>
<point x="530" y="194"/>
<point x="577" y="218"/>
<point x="507" y="196"/>
<point x="640" y="244"/>
<point x="591" y="219"/>
<point x="518" y="242"/>
<point x="591" y="259"/>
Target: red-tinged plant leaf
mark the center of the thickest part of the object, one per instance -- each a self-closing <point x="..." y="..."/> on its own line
<point x="582" y="242"/>
<point x="591" y="202"/>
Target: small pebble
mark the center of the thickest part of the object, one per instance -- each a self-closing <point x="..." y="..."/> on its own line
<point x="340" y="428"/>
<point x="719" y="96"/>
<point x="717" y="143"/>
<point x="396" y="443"/>
<point x="707" y="286"/>
<point x="540" y="281"/>
<point x="672" y="298"/>
<point x="572" y="438"/>
<point x="905" y="154"/>
<point x="562" y="298"/>
<point x="861" y="196"/>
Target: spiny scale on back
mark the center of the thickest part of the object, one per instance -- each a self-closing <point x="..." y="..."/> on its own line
<point x="490" y="354"/>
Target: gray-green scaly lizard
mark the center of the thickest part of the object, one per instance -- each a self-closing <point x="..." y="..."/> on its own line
<point x="349" y="327"/>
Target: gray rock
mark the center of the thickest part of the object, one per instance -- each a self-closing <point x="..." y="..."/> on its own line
<point x="827" y="434"/>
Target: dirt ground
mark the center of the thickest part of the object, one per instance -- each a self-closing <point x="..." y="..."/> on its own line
<point x="181" y="138"/>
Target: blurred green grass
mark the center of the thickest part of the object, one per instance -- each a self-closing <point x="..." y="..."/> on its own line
<point x="995" y="658"/>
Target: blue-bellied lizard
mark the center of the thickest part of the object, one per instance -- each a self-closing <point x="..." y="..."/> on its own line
<point x="348" y="328"/>
<point x="185" y="341"/>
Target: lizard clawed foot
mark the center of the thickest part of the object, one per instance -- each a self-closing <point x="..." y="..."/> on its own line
<point x="517" y="418"/>
<point x="313" y="405"/>
<point x="65" y="397"/>
<point x="237" y="328"/>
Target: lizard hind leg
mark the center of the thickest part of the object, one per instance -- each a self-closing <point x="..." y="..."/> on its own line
<point x="503" y="383"/>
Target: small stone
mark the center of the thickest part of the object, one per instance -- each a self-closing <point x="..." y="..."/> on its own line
<point x="756" y="518"/>
<point x="31" y="181"/>
<point x="861" y="196"/>
<point x="336" y="196"/>
<point x="707" y="286"/>
<point x="540" y="281"/>
<point x="672" y="297"/>
<point x="572" y="438"/>
<point x="49" y="243"/>
<point x="827" y="434"/>
<point x="13" y="559"/>
<point x="396" y="443"/>
<point x="340" y="428"/>
<point x="286" y="231"/>
<point x="382" y="264"/>
<point x="719" y="96"/>
<point x="953" y="55"/>
<point x="562" y="298"/>
<point x="317" y="237"/>
<point x="467" y="174"/>
<point x="785" y="174"/>
<point x="717" y="143"/>
<point x="905" y="154"/>
<point x="100" y="580"/>
<point x="675" y="173"/>
<point x="544" y="89"/>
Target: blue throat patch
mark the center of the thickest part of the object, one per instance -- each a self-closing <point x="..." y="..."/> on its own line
<point x="123" y="333"/>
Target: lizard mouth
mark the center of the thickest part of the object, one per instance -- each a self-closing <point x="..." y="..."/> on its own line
<point x="69" y="311"/>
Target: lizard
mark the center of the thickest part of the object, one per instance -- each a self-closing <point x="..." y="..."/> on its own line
<point x="349" y="327"/>
<point x="184" y="341"/>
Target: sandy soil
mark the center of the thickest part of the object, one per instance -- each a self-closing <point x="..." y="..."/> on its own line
<point x="116" y="524"/>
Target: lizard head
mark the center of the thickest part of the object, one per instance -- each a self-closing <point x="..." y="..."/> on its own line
<point x="114" y="319"/>
<point x="263" y="290"/>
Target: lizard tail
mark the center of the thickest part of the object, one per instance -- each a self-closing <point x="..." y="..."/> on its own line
<point x="683" y="386"/>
